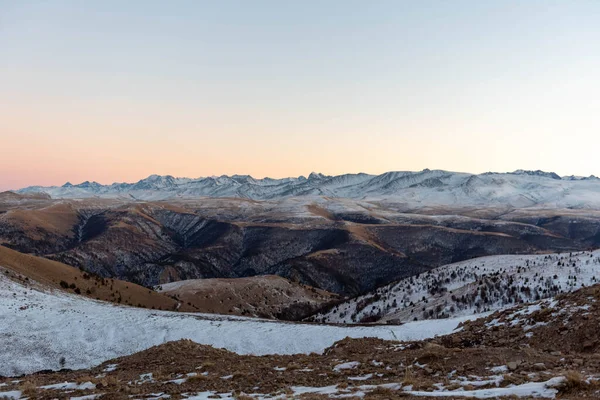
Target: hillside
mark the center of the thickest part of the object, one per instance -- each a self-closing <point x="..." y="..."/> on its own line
<point x="342" y="246"/>
<point x="473" y="286"/>
<point x="266" y="296"/>
<point x="51" y="274"/>
<point x="53" y="329"/>
<point x="423" y="188"/>
<point x="566" y="324"/>
<point x="12" y="197"/>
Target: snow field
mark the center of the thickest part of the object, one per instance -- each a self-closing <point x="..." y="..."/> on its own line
<point x="52" y="330"/>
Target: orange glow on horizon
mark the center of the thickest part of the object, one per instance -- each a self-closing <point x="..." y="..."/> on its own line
<point x="114" y="92"/>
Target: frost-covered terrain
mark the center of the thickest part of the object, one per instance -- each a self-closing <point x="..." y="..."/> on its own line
<point x="545" y="349"/>
<point x="478" y="285"/>
<point x="52" y="330"/>
<point x="516" y="189"/>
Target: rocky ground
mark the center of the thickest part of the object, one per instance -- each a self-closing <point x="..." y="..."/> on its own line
<point x="546" y="349"/>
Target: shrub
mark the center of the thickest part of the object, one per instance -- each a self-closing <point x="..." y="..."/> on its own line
<point x="408" y="377"/>
<point x="573" y="380"/>
<point x="28" y="389"/>
<point x="196" y="378"/>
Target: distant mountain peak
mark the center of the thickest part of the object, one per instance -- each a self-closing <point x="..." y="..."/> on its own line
<point x="580" y="178"/>
<point x="88" y="184"/>
<point x="538" y="172"/>
<point x="316" y="176"/>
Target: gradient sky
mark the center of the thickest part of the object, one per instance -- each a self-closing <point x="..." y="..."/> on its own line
<point x="117" y="90"/>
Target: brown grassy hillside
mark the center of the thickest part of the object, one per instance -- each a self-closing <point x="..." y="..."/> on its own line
<point x="266" y="296"/>
<point x="61" y="276"/>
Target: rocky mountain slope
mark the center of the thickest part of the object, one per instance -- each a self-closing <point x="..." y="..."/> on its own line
<point x="473" y="286"/>
<point x="342" y="246"/>
<point x="424" y="188"/>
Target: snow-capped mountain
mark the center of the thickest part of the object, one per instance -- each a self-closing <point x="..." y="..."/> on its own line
<point x="423" y="188"/>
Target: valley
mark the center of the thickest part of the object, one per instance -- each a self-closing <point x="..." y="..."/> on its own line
<point x="339" y="245"/>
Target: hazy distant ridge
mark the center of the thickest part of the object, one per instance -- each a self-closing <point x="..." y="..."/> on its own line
<point x="428" y="187"/>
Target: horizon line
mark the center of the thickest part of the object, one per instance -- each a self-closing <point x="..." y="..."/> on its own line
<point x="301" y="176"/>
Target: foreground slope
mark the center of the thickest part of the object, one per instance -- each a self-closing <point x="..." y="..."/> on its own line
<point x="565" y="324"/>
<point x="478" y="285"/>
<point x="50" y="329"/>
<point x="510" y="354"/>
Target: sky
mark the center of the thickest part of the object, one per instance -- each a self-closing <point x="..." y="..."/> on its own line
<point x="114" y="91"/>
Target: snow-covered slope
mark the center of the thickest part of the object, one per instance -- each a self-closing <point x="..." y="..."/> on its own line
<point x="477" y="285"/>
<point x="41" y="329"/>
<point x="518" y="189"/>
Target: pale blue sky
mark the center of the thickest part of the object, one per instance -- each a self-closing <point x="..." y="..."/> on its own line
<point x="116" y="90"/>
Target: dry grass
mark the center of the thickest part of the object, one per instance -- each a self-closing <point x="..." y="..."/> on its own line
<point x="343" y="385"/>
<point x="291" y="366"/>
<point x="28" y="389"/>
<point x="511" y="379"/>
<point x="265" y="295"/>
<point x="453" y="386"/>
<point x="408" y="378"/>
<point x="542" y="315"/>
<point x="207" y="365"/>
<point x="159" y="375"/>
<point x="86" y="378"/>
<point x="239" y="375"/>
<point x="242" y="396"/>
<point x="383" y="391"/>
<point x="197" y="378"/>
<point x="111" y="381"/>
<point x="573" y="381"/>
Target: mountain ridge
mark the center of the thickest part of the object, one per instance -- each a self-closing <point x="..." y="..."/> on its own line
<point x="519" y="189"/>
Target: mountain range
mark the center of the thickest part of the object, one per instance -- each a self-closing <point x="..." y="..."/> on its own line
<point x="520" y="188"/>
